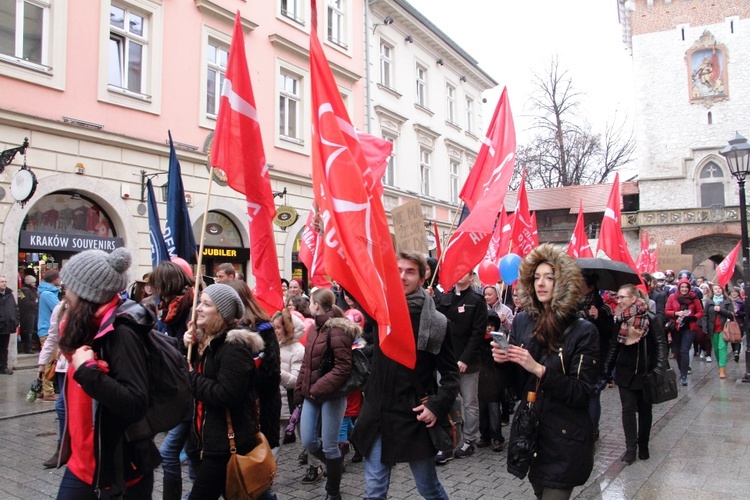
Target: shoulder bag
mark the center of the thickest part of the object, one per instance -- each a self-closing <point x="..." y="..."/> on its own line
<point x="659" y="386"/>
<point x="444" y="434"/>
<point x="251" y="475"/>
<point x="359" y="374"/>
<point x="732" y="332"/>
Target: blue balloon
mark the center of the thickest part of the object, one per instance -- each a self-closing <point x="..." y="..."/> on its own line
<point x="509" y="268"/>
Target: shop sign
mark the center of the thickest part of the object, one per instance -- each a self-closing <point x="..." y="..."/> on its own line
<point x="66" y="242"/>
<point x="241" y="254"/>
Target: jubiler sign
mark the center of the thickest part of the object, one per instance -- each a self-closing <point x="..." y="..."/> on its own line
<point x="240" y="254"/>
<point x="31" y="240"/>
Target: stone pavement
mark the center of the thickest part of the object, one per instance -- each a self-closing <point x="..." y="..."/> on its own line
<point x="700" y="448"/>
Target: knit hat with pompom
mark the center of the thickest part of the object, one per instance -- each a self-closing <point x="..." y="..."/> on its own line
<point x="97" y="276"/>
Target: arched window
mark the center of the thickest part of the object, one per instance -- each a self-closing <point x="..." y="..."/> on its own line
<point x="711" y="185"/>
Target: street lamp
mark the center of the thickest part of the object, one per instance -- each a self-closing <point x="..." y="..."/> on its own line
<point x="737" y="155"/>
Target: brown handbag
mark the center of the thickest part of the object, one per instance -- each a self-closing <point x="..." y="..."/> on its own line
<point x="732" y="332"/>
<point x="249" y="476"/>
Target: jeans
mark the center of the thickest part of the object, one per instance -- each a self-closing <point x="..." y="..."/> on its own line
<point x="469" y="389"/>
<point x="331" y="414"/>
<point x="636" y="433"/>
<point x="347" y="426"/>
<point x="378" y="475"/>
<point x="684" y="340"/>
<point x="720" y="349"/>
<point x="544" y="493"/>
<point x="170" y="450"/>
<point x="72" y="488"/>
<point x="60" y="405"/>
<point x="490" y="426"/>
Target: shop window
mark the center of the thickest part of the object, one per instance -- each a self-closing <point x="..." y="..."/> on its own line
<point x="68" y="213"/>
<point x="220" y="231"/>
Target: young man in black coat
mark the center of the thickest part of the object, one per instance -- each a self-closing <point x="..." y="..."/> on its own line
<point x="8" y="323"/>
<point x="467" y="312"/>
<point x="393" y="424"/>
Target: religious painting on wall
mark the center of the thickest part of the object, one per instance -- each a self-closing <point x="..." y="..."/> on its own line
<point x="707" y="71"/>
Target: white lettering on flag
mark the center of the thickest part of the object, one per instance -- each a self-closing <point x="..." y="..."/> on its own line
<point x="608" y="212"/>
<point x="237" y="103"/>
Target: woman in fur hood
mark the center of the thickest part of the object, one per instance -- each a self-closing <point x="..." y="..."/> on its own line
<point x="557" y="356"/>
<point x="318" y="384"/>
<point x="223" y="377"/>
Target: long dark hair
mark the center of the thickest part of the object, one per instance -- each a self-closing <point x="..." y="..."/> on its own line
<point x="169" y="280"/>
<point x="79" y="327"/>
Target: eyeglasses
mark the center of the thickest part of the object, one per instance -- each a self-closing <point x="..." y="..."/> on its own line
<point x="623" y="297"/>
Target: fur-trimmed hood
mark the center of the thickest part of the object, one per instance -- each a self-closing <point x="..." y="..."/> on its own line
<point x="350" y="328"/>
<point x="252" y="340"/>
<point x="568" y="281"/>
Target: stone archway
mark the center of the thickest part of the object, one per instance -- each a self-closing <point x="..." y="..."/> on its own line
<point x="711" y="249"/>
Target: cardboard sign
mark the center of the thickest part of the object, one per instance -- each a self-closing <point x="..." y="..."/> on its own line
<point x="668" y="251"/>
<point x="675" y="262"/>
<point x="408" y="224"/>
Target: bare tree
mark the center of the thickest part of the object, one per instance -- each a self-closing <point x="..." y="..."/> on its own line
<point x="565" y="151"/>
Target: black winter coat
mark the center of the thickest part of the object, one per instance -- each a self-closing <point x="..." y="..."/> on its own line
<point x="28" y="309"/>
<point x="267" y="387"/>
<point x="120" y="395"/>
<point x="566" y="441"/>
<point x="709" y="314"/>
<point x="630" y="360"/>
<point x="467" y="314"/>
<point x="390" y="396"/>
<point x="225" y="377"/>
<point x="8" y="312"/>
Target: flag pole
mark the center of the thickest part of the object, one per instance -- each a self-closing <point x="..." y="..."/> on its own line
<point x="450" y="233"/>
<point x="199" y="277"/>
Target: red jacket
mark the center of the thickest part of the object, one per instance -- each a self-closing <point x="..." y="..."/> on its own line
<point x="677" y="302"/>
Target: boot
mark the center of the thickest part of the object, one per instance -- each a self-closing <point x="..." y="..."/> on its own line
<point x="51" y="462"/>
<point x="335" y="467"/>
<point x="722" y="372"/>
<point x="344" y="449"/>
<point x="643" y="452"/>
<point x="172" y="488"/>
<point x="628" y="457"/>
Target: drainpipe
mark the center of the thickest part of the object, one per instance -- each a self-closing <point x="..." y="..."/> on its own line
<point x="368" y="126"/>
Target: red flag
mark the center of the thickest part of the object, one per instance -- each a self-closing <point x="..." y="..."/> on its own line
<point x="644" y="256"/>
<point x="534" y="230"/>
<point x="611" y="240"/>
<point x="579" y="242"/>
<point x="652" y="268"/>
<point x="376" y="151"/>
<point x="238" y="151"/>
<point x="311" y="253"/>
<point x="493" y="248"/>
<point x="488" y="167"/>
<point x="468" y="245"/>
<point x="505" y="237"/>
<point x="438" y="250"/>
<point x="725" y="270"/>
<point x="524" y="239"/>
<point x="359" y="254"/>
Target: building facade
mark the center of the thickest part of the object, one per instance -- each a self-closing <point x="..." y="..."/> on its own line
<point x="691" y="62"/>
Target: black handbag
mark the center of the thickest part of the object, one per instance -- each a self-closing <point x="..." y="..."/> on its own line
<point x="444" y="434"/>
<point x="524" y="435"/>
<point x="359" y="374"/>
<point x="659" y="386"/>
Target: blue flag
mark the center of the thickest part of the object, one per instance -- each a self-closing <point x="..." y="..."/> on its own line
<point x="178" y="233"/>
<point x="155" y="238"/>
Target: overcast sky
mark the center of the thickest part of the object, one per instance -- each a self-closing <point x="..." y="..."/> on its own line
<point x="513" y="39"/>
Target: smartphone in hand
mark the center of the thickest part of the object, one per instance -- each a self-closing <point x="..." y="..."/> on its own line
<point x="500" y="340"/>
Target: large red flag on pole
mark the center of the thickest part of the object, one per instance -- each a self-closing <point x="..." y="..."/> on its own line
<point x="438" y="246"/>
<point x="611" y="240"/>
<point x="311" y="253"/>
<point x="523" y="238"/>
<point x="643" y="263"/>
<point x="238" y="151"/>
<point x="579" y="242"/>
<point x="725" y="270"/>
<point x="468" y="245"/>
<point x="493" y="248"/>
<point x="359" y="254"/>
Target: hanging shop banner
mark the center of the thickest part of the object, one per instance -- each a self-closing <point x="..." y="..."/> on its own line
<point x="66" y="242"/>
<point x="240" y="254"/>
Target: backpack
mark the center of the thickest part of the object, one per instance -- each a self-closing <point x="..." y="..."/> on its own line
<point x="169" y="393"/>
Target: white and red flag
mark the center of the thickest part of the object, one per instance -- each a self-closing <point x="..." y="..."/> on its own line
<point x="468" y="245"/>
<point x="493" y="248"/>
<point x="611" y="240"/>
<point x="311" y="253"/>
<point x="579" y="242"/>
<point x="359" y="253"/>
<point x="525" y="237"/>
<point x="725" y="270"/>
<point x="238" y="151"/>
<point x="643" y="263"/>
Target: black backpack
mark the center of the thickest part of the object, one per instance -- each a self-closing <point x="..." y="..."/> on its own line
<point x="169" y="395"/>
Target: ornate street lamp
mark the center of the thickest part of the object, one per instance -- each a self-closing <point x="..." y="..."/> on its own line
<point x="737" y="155"/>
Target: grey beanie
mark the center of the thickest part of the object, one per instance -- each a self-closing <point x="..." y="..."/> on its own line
<point x="97" y="276"/>
<point x="226" y="300"/>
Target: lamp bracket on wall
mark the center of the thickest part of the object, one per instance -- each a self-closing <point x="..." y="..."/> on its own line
<point x="279" y="194"/>
<point x="145" y="176"/>
<point x="6" y="157"/>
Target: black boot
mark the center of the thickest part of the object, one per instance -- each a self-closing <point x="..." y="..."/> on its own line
<point x="172" y="489"/>
<point x="344" y="449"/>
<point x="335" y="468"/>
<point x="643" y="452"/>
<point x="628" y="457"/>
<point x="51" y="462"/>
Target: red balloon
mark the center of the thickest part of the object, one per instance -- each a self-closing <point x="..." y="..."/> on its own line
<point x="183" y="264"/>
<point x="488" y="272"/>
<point x="355" y="316"/>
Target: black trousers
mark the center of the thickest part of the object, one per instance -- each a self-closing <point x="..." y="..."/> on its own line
<point x="636" y="432"/>
<point x="4" y="341"/>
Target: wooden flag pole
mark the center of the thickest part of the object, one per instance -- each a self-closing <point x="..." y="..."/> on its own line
<point x="199" y="274"/>
<point x="445" y="249"/>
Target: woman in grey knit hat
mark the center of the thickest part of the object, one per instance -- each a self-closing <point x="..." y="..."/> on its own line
<point x="224" y="376"/>
<point x="100" y="336"/>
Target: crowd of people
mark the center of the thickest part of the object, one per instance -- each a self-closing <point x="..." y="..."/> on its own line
<point x="549" y="344"/>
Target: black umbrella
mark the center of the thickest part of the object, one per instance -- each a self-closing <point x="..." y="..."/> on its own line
<point x="610" y="274"/>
